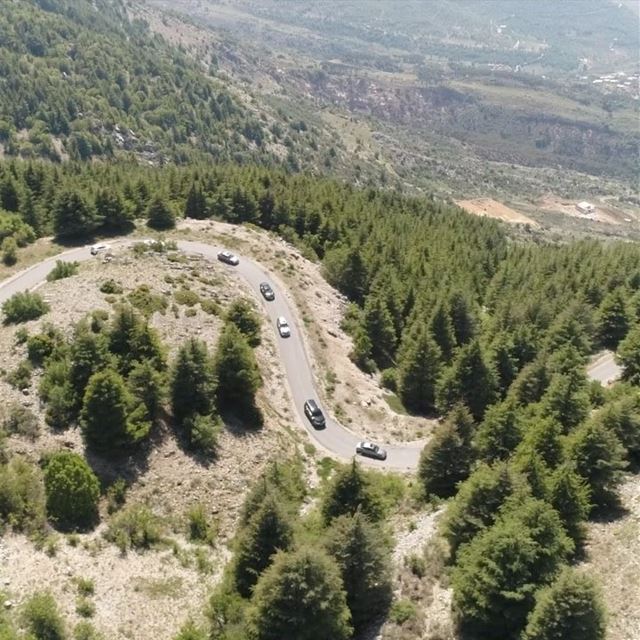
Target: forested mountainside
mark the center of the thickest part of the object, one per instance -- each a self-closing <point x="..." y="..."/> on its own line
<point x="80" y="80"/>
<point x="505" y="99"/>
<point x="461" y="321"/>
<point x="150" y="457"/>
<point x="418" y="273"/>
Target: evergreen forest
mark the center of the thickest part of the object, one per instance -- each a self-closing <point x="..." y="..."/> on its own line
<point x="482" y="332"/>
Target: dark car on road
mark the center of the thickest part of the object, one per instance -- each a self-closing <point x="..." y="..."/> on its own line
<point x="228" y="258"/>
<point x="370" y="450"/>
<point x="314" y="414"/>
<point x="267" y="291"/>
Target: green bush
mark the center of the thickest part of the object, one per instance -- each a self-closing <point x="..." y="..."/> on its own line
<point x="135" y="527"/>
<point x="21" y="421"/>
<point x="42" y="345"/>
<point x="243" y="315"/>
<point x="72" y="491"/>
<point x="22" y="496"/>
<point x="570" y="608"/>
<point x="21" y="335"/>
<point x="86" y="586"/>
<point x="210" y="306"/>
<point x="111" y="287"/>
<point x="20" y="377"/>
<point x="402" y="611"/>
<point x="203" y="432"/>
<point x="190" y="631"/>
<point x="116" y="495"/>
<point x="85" y="608"/>
<point x="9" y="250"/>
<point x="22" y="307"/>
<point x="389" y="379"/>
<point x="300" y="596"/>
<point x="147" y="302"/>
<point x="200" y="529"/>
<point x="42" y="619"/>
<point x="62" y="270"/>
<point x="85" y="631"/>
<point x="186" y="297"/>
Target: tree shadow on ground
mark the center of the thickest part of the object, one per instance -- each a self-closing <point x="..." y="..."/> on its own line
<point x="129" y="464"/>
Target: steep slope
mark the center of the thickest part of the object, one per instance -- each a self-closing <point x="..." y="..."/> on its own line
<point x="81" y="80"/>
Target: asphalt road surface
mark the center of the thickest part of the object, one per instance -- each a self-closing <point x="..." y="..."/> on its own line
<point x="604" y="369"/>
<point x="335" y="438"/>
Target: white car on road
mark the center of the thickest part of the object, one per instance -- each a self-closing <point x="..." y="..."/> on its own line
<point x="283" y="327"/>
<point x="100" y="248"/>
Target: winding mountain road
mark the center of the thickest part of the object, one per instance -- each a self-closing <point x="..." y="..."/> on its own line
<point x="335" y="438"/>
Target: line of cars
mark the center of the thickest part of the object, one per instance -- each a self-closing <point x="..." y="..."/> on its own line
<point x="311" y="409"/>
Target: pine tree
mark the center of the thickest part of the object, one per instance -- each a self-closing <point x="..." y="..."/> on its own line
<point x="112" y="212"/>
<point x="542" y="436"/>
<point x="72" y="491"/>
<point x="622" y="417"/>
<point x="446" y="460"/>
<point x="243" y="315"/>
<point x="300" y="596"/>
<point x="363" y="558"/>
<point x="462" y="320"/>
<point x="468" y="380"/>
<point x="73" y="216"/>
<point x="612" y="320"/>
<point x="629" y="356"/>
<point x="362" y="350"/>
<point x="569" y="496"/>
<point x="89" y="353"/>
<point x="499" y="433"/>
<point x="196" y="204"/>
<point x="267" y="531"/>
<point x="599" y="459"/>
<point x="478" y="502"/>
<point x="132" y="339"/>
<point x="344" y="269"/>
<point x="378" y="325"/>
<point x="349" y="491"/>
<point x="237" y="373"/>
<point x="147" y="385"/>
<point x="160" y="215"/>
<point x="533" y="468"/>
<point x="417" y="372"/>
<point x="566" y="401"/>
<point x="503" y="363"/>
<point x="570" y="608"/>
<point x="193" y="382"/>
<point x="441" y="331"/>
<point x="530" y="383"/>
<point x="105" y="409"/>
<point x="498" y="572"/>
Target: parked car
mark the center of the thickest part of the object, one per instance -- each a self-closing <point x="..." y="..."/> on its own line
<point x="314" y="414"/>
<point x="228" y="258"/>
<point x="283" y="327"/>
<point x="100" y="248"/>
<point x="370" y="450"/>
<point x="267" y="291"/>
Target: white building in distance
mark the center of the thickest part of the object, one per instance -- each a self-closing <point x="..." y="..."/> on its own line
<point x="585" y="208"/>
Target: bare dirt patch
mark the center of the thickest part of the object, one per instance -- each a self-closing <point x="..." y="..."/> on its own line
<point x="614" y="560"/>
<point x="486" y="207"/>
<point x="137" y="596"/>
